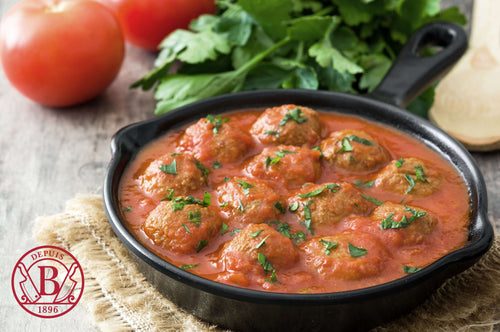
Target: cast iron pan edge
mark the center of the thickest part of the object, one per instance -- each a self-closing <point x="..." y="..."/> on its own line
<point x="398" y="296"/>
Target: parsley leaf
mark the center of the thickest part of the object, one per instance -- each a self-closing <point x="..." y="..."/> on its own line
<point x="223" y="229"/>
<point x="186" y="267"/>
<point x="245" y="186"/>
<point x="295" y="115"/>
<point x="411" y="181"/>
<point x="355" y="138"/>
<point x="399" y="162"/>
<point x="328" y="245"/>
<point x="372" y="199"/>
<point x="409" y="269"/>
<point x="202" y="244"/>
<point x="216" y="165"/>
<point x="363" y="184"/>
<point x="262" y="259"/>
<point x="419" y="174"/>
<point x="170" y="169"/>
<point x="217" y="121"/>
<point x="356" y="251"/>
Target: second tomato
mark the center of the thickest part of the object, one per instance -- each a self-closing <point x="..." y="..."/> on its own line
<point x="146" y="22"/>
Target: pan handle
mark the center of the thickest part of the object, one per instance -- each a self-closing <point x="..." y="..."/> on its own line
<point x="411" y="74"/>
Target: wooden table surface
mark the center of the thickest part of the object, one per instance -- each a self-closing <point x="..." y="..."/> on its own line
<point x="49" y="155"/>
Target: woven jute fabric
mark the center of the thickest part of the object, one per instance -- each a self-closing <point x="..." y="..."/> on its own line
<point x="119" y="298"/>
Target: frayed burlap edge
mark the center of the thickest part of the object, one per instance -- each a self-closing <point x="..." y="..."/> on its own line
<point x="118" y="297"/>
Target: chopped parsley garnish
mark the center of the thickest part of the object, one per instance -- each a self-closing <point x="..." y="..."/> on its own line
<point x="372" y="199"/>
<point x="346" y="146"/>
<point x="245" y="186"/>
<point x="363" y="184"/>
<point x="195" y="217"/>
<point x="279" y="155"/>
<point x="223" y="229"/>
<point x="264" y="262"/>
<point x="328" y="245"/>
<point x="356" y="251"/>
<point x="180" y="202"/>
<point x="272" y="279"/>
<point x="419" y="173"/>
<point x="399" y="162"/>
<point x="307" y="217"/>
<point x="280" y="207"/>
<point x="261" y="243"/>
<point x="205" y="171"/>
<point x="273" y="132"/>
<point x="127" y="209"/>
<point x="169" y="169"/>
<point x="226" y="179"/>
<point x="217" y="121"/>
<point x="410" y="181"/>
<point x="173" y="154"/>
<point x="317" y="148"/>
<point x="185" y="267"/>
<point x="202" y="244"/>
<point x="186" y="228"/>
<point x="255" y="234"/>
<point x="241" y="207"/>
<point x="234" y="231"/>
<point x="409" y="269"/>
<point x="364" y="141"/>
<point x="389" y="222"/>
<point x="295" y="115"/>
<point x="316" y="192"/>
<point x="224" y="205"/>
<point x="294" y="206"/>
<point x="216" y="164"/>
<point x="284" y="229"/>
<point x="351" y="159"/>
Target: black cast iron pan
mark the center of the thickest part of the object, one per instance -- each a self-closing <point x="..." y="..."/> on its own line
<point x="243" y="309"/>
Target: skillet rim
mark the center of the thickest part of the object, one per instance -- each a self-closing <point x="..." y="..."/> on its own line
<point x="127" y="142"/>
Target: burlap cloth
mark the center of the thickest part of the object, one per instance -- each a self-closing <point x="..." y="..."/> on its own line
<point x="118" y="298"/>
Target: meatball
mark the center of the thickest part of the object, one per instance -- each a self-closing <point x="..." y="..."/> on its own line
<point x="353" y="150"/>
<point x="288" y="125"/>
<point x="182" y="229"/>
<point x="241" y="254"/>
<point x="346" y="256"/>
<point x="249" y="200"/>
<point x="172" y="171"/>
<point x="213" y="138"/>
<point x="408" y="176"/>
<point x="403" y="224"/>
<point x="288" y="165"/>
<point x="327" y="204"/>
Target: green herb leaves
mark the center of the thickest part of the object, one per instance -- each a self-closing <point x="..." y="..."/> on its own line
<point x="356" y="251"/>
<point x="328" y="245"/>
<point x="389" y="222"/>
<point x="345" y="46"/>
<point x="170" y="169"/>
<point x="295" y="115"/>
<point x="279" y="154"/>
<point x="217" y="121"/>
<point x="180" y="202"/>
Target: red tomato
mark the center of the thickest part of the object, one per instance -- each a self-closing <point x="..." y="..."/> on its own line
<point x="146" y="22"/>
<point x="60" y="52"/>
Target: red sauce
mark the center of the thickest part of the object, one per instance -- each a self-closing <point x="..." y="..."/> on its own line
<point x="387" y="249"/>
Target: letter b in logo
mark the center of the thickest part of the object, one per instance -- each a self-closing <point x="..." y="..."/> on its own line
<point x="48" y="286"/>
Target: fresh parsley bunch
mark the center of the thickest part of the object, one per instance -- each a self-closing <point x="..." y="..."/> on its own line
<point x="339" y="45"/>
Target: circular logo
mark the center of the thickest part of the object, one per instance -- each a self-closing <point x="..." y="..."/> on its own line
<point x="47" y="281"/>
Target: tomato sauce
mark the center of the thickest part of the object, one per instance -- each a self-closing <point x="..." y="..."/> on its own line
<point x="329" y="256"/>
